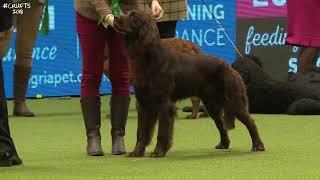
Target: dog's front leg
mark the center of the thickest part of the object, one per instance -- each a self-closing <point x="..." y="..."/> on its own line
<point x="146" y="122"/>
<point x="165" y="131"/>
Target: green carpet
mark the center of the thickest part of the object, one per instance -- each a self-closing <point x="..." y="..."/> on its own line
<point x="52" y="146"/>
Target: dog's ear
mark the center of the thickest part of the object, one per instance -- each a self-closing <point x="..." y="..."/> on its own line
<point x="137" y="18"/>
<point x="147" y="27"/>
<point x="255" y="59"/>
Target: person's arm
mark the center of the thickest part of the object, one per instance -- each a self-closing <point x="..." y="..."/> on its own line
<point x="104" y="11"/>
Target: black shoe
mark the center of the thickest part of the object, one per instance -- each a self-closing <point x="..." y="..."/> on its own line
<point x="8" y="159"/>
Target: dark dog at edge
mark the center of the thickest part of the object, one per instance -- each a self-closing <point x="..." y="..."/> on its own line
<point x="161" y="76"/>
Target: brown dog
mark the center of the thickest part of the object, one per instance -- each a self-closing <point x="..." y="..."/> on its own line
<point x="161" y="76"/>
<point x="179" y="45"/>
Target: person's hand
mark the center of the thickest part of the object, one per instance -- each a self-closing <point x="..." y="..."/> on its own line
<point x="108" y="20"/>
<point x="157" y="11"/>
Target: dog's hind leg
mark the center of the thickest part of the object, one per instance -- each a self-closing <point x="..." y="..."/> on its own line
<point x="215" y="112"/>
<point x="146" y="122"/>
<point x="228" y="120"/>
<point x="195" y="108"/>
<point x="246" y="119"/>
<point x="165" y="131"/>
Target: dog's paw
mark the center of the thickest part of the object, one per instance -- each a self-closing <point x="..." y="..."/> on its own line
<point x="258" y="147"/>
<point x="157" y="154"/>
<point x="223" y="145"/>
<point x="136" y="154"/>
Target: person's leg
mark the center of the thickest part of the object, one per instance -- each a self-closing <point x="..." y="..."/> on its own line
<point x="106" y="70"/>
<point x="120" y="82"/>
<point x="167" y="29"/>
<point x="92" y="42"/>
<point x="307" y="58"/>
<point x="106" y="61"/>
<point x="27" y="30"/>
<point x="8" y="153"/>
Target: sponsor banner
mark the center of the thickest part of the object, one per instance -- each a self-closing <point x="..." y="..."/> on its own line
<point x="261" y="31"/>
<point x="257" y="38"/>
<point x="202" y="29"/>
<point x="265" y="38"/>
<point x="261" y="8"/>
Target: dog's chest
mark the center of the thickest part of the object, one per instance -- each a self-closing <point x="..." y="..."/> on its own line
<point x="152" y="84"/>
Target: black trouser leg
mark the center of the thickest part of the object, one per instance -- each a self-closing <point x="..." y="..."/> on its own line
<point x="6" y="142"/>
<point x="8" y="153"/>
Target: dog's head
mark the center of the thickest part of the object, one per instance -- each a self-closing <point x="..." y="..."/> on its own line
<point x="137" y="26"/>
<point x="248" y="67"/>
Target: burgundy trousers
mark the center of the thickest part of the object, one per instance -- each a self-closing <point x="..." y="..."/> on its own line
<point x="92" y="38"/>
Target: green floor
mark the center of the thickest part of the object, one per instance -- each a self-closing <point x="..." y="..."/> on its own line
<point x="52" y="146"/>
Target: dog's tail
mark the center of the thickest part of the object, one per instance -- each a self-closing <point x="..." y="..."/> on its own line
<point x="228" y="120"/>
<point x="235" y="97"/>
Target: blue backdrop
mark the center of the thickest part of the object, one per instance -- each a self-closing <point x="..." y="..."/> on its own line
<point x="57" y="59"/>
